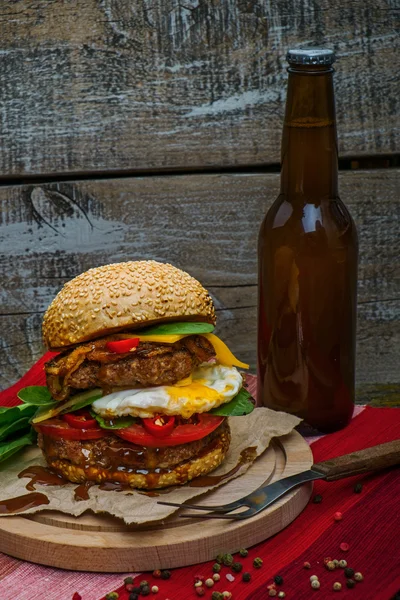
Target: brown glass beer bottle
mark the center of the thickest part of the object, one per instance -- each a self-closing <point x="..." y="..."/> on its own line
<point x="307" y="260"/>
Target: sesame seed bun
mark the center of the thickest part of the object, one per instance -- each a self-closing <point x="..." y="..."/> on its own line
<point x="123" y="296"/>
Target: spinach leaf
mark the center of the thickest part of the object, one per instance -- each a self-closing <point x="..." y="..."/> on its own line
<point x="7" y="449"/>
<point x="184" y="328"/>
<point x="117" y="423"/>
<point x="75" y="403"/>
<point x="239" y="405"/>
<point x="7" y="430"/>
<point x="38" y="395"/>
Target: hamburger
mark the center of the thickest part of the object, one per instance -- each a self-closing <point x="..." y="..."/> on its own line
<point x="140" y="388"/>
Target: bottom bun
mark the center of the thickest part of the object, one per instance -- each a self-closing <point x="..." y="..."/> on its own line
<point x="211" y="456"/>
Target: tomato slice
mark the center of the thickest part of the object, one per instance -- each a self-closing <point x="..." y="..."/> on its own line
<point x="121" y="346"/>
<point x="58" y="428"/>
<point x="181" y="434"/>
<point x="81" y="419"/>
<point x="159" y="426"/>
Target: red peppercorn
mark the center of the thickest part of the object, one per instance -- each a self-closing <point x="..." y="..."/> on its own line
<point x="344" y="546"/>
<point x="307" y="565"/>
<point x="327" y="559"/>
<point x="157" y="574"/>
<point x="76" y="596"/>
<point x="130" y="587"/>
<point x="200" y="591"/>
<point x="338" y="516"/>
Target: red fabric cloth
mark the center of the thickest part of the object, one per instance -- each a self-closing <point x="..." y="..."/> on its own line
<point x="370" y="525"/>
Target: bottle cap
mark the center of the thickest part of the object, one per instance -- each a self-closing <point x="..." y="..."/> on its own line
<point x="310" y="56"/>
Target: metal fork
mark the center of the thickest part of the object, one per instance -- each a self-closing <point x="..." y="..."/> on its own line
<point x="255" y="502"/>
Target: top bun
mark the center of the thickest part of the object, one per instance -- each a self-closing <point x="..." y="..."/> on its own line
<point x="120" y="296"/>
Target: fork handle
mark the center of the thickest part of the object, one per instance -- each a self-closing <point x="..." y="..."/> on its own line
<point x="370" y="459"/>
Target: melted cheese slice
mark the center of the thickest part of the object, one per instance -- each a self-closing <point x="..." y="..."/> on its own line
<point x="224" y="355"/>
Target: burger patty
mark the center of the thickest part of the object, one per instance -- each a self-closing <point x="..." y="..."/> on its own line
<point x="92" y="365"/>
<point x="114" y="453"/>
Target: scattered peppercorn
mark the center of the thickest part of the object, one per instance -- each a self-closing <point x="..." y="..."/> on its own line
<point x="133" y="596"/>
<point x="335" y="562"/>
<point x="128" y="580"/>
<point x="243" y="552"/>
<point x="227" y="560"/>
<point x="343" y="563"/>
<point x="327" y="559"/>
<point x="227" y="595"/>
<point x="154" y="589"/>
<point x="200" y="591"/>
<point x="350" y="583"/>
<point x="198" y="583"/>
<point x="317" y="499"/>
<point x="338" y="516"/>
<point x="282" y="595"/>
<point x="358" y="488"/>
<point x="209" y="582"/>
<point x="314" y="578"/>
<point x="315" y="584"/>
<point x="330" y="565"/>
<point x="143" y="583"/>
<point x="112" y="596"/>
<point x="271" y="586"/>
<point x="337" y="586"/>
<point x="145" y="590"/>
<point x="246" y="577"/>
<point x="358" y="576"/>
<point x="129" y="587"/>
<point x="237" y="567"/>
<point x="157" y="574"/>
<point x="344" y="546"/>
<point x="220" y="558"/>
<point x="216" y="568"/>
<point x="165" y="574"/>
<point x="307" y="565"/>
<point x="349" y="572"/>
<point x="272" y="592"/>
<point x="216" y="576"/>
<point x="278" y="580"/>
<point x="76" y="596"/>
<point x="217" y="596"/>
<point x="257" y="562"/>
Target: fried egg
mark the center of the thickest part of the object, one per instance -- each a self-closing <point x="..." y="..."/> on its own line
<point x="207" y="388"/>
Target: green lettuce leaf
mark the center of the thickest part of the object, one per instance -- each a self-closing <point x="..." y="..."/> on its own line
<point x="240" y="405"/>
<point x="38" y="395"/>
<point x="7" y="449"/>
<point x="178" y="329"/>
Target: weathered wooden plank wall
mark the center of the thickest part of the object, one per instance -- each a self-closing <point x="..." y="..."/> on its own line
<point x="94" y="85"/>
<point x="207" y="224"/>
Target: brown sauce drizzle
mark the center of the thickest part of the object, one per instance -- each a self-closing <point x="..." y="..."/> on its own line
<point x="42" y="475"/>
<point x="81" y="492"/>
<point x="21" y="503"/>
<point x="247" y="455"/>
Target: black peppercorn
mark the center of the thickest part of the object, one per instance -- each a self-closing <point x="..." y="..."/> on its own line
<point x="350" y="583"/>
<point x="145" y="591"/>
<point x="348" y="572"/>
<point x="216" y="567"/>
<point x="246" y="577"/>
<point x="317" y="499"/>
<point x="243" y="552"/>
<point x="358" y="488"/>
<point x="278" y="580"/>
<point x="237" y="567"/>
<point x="165" y="574"/>
<point x="227" y="560"/>
<point x="128" y="580"/>
<point x="133" y="596"/>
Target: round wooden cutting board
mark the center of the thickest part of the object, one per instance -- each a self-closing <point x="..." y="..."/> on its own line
<point x="103" y="543"/>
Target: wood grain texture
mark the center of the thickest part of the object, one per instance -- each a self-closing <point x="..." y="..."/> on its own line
<point x="99" y="543"/>
<point x="205" y="224"/>
<point x="163" y="84"/>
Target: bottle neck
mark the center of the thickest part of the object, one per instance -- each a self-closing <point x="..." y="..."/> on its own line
<point x="309" y="143"/>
